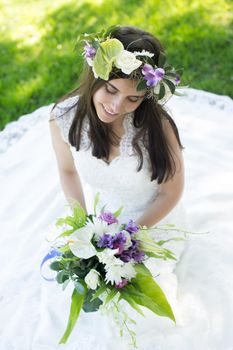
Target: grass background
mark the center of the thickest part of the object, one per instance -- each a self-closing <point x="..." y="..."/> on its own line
<point x="38" y="63"/>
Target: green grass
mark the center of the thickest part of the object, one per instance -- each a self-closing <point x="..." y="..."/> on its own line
<point x="38" y="63"/>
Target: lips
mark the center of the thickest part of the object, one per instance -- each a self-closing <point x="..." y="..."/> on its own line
<point x="108" y="112"/>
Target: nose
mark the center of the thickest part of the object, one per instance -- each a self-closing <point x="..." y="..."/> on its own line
<point x="116" y="105"/>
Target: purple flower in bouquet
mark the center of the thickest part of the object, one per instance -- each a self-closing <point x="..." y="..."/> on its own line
<point x="109" y="218"/>
<point x="152" y="76"/>
<point x="133" y="253"/>
<point x="138" y="256"/>
<point x="106" y="241"/>
<point x="122" y="283"/>
<point x="132" y="227"/>
<point x="89" y="51"/>
<point x="119" y="242"/>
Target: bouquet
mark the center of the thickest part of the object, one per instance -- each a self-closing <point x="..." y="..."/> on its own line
<point x="104" y="259"/>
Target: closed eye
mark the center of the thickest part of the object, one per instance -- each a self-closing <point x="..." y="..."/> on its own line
<point x="109" y="89"/>
<point x="135" y="99"/>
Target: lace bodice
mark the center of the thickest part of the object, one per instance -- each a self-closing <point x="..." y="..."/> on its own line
<point x="118" y="182"/>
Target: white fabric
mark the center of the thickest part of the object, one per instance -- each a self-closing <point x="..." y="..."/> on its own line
<point x="33" y="312"/>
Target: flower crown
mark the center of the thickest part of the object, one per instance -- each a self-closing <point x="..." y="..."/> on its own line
<point x="105" y="55"/>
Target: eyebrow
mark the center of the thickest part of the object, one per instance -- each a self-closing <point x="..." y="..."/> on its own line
<point x="114" y="87"/>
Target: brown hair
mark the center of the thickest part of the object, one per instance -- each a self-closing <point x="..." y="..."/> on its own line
<point x="147" y="120"/>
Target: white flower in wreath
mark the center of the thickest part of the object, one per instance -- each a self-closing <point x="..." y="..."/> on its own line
<point x="143" y="53"/>
<point x="92" y="279"/>
<point x="127" y="62"/>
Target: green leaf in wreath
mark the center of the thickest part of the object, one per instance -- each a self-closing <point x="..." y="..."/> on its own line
<point x="170" y="85"/>
<point x="77" y="301"/>
<point x="105" y="56"/>
<point x="162" y="59"/>
<point x="141" y="85"/>
<point x="161" y="91"/>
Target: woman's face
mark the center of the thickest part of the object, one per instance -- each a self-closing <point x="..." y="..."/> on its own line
<point x="115" y="99"/>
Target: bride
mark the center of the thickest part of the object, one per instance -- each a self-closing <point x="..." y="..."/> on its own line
<point x="111" y="137"/>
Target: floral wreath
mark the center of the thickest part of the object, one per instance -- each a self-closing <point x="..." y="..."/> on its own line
<point x="105" y="55"/>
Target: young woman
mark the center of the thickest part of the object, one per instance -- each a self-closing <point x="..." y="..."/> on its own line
<point x="118" y="139"/>
<point x="114" y="135"/>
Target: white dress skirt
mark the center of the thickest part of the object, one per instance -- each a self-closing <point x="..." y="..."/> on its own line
<point x="34" y="312"/>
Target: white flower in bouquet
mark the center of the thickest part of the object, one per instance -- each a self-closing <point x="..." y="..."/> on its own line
<point x="80" y="243"/>
<point x="115" y="273"/>
<point x="92" y="279"/>
<point x="127" y="62"/>
<point x="107" y="257"/>
<point x="98" y="227"/>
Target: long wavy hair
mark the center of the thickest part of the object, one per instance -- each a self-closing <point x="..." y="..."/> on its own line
<point x="147" y="119"/>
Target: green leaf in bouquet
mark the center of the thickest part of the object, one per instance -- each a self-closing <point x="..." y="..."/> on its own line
<point x="66" y="233"/>
<point x="77" y="301"/>
<point x="154" y="297"/>
<point x="90" y="305"/>
<point x="127" y="297"/>
<point x="113" y="292"/>
<point x="162" y="242"/>
<point x="80" y="287"/>
<point x="62" y="276"/>
<point x="79" y="215"/>
<point x="68" y="220"/>
<point x="118" y="212"/>
<point x="65" y="284"/>
<point x="99" y="291"/>
<point x="105" y="56"/>
<point x="153" y="255"/>
<point x="96" y="201"/>
<point x="56" y="266"/>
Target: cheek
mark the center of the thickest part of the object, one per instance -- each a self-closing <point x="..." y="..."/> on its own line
<point x="131" y="107"/>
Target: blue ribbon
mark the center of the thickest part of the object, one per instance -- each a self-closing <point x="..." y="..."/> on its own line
<point x="52" y="254"/>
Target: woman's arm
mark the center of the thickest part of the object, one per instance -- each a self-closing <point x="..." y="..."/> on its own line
<point x="171" y="191"/>
<point x="69" y="177"/>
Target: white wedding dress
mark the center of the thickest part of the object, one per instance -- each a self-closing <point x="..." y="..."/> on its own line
<point x="34" y="312"/>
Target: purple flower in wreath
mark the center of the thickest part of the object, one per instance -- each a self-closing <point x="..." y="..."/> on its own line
<point x="122" y="283"/>
<point x="89" y="51"/>
<point x="106" y="241"/>
<point x="177" y="79"/>
<point x="108" y="217"/>
<point x="151" y="75"/>
<point x="132" y="227"/>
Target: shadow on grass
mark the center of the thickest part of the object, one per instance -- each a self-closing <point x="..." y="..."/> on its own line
<point x="38" y="75"/>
